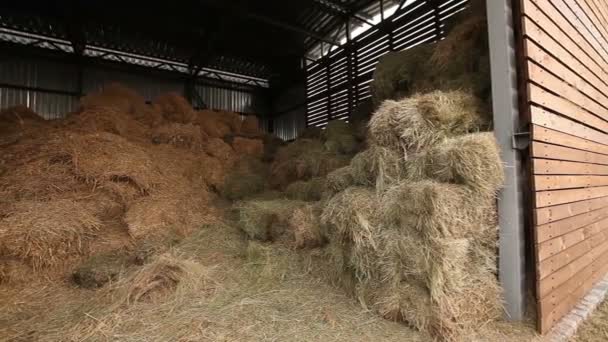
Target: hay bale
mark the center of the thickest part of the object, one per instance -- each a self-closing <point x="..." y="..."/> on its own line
<point x="248" y="147"/>
<point x="250" y="126"/>
<point x="422" y="120"/>
<point x="247" y="178"/>
<point x="175" y="108"/>
<point x="305" y="226"/>
<point x="265" y="220"/>
<point x="187" y="136"/>
<point x="106" y="157"/>
<point x="339" y="179"/>
<point x="211" y="123"/>
<point x="44" y="233"/>
<point x="436" y="209"/>
<point x="272" y="144"/>
<point x="232" y="120"/>
<point x="107" y="119"/>
<point x="399" y="74"/>
<point x="14" y="271"/>
<point x="351" y="219"/>
<point x="117" y="97"/>
<point x="342" y="144"/>
<point x="219" y="149"/>
<point x="100" y="269"/>
<point x="377" y="167"/>
<point x="472" y="160"/>
<point x="336" y="128"/>
<point x="311" y="190"/>
<point x="177" y="212"/>
<point x="311" y="132"/>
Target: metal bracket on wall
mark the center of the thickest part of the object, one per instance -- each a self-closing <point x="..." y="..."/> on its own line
<point x="521" y="141"/>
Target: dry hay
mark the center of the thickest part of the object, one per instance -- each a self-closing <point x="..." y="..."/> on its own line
<point x="247" y="178"/>
<point x="219" y="149"/>
<point x="377" y="167"/>
<point x="166" y="274"/>
<point x="44" y="233"/>
<point x="399" y="74"/>
<point x="265" y="220"/>
<point x="175" y="108"/>
<point x="106" y="157"/>
<point x="186" y="136"/>
<point x="232" y="120"/>
<point x="250" y="126"/>
<point x="15" y="119"/>
<point x="272" y="143"/>
<point x="305" y="226"/>
<point x="311" y="190"/>
<point x="212" y="124"/>
<point x="339" y="179"/>
<point x="422" y="120"/>
<point x="350" y="219"/>
<point x="472" y="160"/>
<point x="117" y="97"/>
<point x="100" y="269"/>
<point x="177" y="210"/>
<point x="301" y="160"/>
<point x="342" y="144"/>
<point x="107" y="119"/>
<point x="311" y="132"/>
<point x="248" y="147"/>
<point x="336" y="128"/>
<point x="437" y="209"/>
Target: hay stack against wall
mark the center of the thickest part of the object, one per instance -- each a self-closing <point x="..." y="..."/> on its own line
<point x="419" y="234"/>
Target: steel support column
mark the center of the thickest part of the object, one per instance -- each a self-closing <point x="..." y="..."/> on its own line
<point x="511" y="209"/>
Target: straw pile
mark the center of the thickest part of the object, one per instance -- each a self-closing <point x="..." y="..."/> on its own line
<point x="311" y="190"/>
<point x="115" y="173"/>
<point x="250" y="126"/>
<point x="248" y="147"/>
<point x="249" y="177"/>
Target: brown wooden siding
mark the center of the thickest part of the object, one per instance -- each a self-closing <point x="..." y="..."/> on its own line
<point x="565" y="45"/>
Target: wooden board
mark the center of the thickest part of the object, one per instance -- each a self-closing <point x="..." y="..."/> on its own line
<point x="565" y="60"/>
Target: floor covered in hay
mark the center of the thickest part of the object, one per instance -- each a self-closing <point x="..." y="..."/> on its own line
<point x="247" y="292"/>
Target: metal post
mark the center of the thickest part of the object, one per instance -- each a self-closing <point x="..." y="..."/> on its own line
<point x="511" y="208"/>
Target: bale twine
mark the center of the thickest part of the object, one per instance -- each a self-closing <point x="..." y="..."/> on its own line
<point x="418" y="122"/>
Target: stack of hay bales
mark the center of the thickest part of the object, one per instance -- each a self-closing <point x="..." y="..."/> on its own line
<point x="307" y="158"/>
<point x="415" y="229"/>
<point x="458" y="62"/>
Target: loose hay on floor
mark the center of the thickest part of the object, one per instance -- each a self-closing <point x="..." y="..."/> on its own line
<point x="265" y="220"/>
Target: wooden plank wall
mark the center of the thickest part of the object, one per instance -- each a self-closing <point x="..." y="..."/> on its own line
<point x="565" y="47"/>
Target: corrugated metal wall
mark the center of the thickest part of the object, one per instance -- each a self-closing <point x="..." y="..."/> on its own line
<point x="50" y="88"/>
